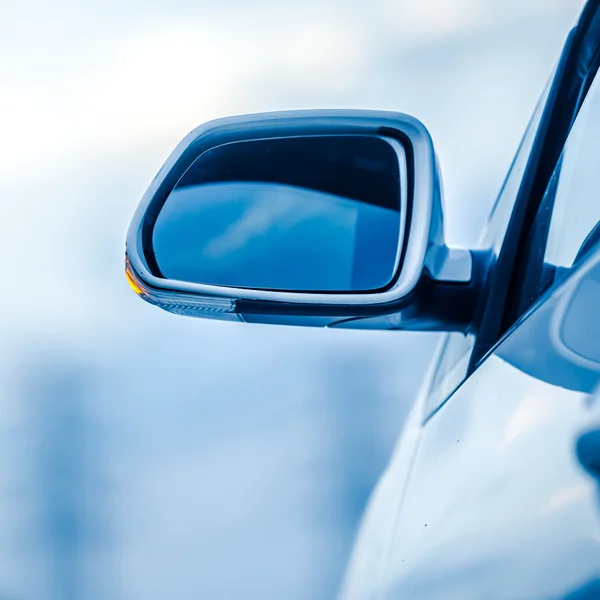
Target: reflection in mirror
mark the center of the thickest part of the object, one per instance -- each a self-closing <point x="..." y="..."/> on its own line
<point x="578" y="327"/>
<point x="562" y="335"/>
<point x="311" y="214"/>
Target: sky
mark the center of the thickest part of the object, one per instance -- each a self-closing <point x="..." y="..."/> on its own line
<point x="153" y="454"/>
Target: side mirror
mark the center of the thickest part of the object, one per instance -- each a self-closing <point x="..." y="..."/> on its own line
<point x="329" y="218"/>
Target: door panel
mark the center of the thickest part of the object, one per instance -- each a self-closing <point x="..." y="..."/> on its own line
<point x="498" y="505"/>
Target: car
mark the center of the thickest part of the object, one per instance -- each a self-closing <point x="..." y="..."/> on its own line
<point x="334" y="218"/>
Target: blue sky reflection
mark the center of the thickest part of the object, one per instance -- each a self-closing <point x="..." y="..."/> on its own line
<point x="271" y="236"/>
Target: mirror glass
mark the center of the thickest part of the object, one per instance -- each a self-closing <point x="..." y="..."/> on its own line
<point x="303" y="214"/>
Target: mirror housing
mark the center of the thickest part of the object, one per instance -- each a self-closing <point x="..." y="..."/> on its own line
<point x="433" y="287"/>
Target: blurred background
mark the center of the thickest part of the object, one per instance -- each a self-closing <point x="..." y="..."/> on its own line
<point x="145" y="455"/>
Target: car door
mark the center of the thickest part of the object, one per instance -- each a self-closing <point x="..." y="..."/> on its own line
<point x="394" y="555"/>
<point x="501" y="500"/>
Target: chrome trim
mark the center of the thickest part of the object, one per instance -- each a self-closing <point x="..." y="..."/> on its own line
<point x="450" y="264"/>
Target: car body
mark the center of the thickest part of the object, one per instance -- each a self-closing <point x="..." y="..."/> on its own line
<point x="492" y="489"/>
<point x="489" y="494"/>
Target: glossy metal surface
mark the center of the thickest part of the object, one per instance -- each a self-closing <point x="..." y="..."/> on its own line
<point x="495" y="495"/>
<point x="499" y="502"/>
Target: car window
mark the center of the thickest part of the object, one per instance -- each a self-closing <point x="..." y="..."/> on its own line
<point x="454" y="355"/>
<point x="577" y="204"/>
<point x="566" y="227"/>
